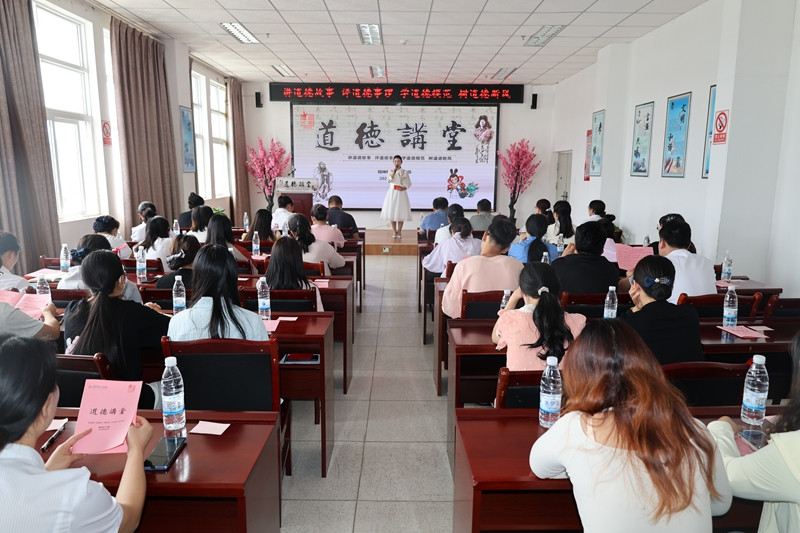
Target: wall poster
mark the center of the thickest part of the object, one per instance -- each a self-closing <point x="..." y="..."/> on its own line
<point x="187" y="140"/>
<point x="598" y="129"/>
<point x="675" y="134"/>
<point x="712" y="102"/>
<point x="642" y="132"/>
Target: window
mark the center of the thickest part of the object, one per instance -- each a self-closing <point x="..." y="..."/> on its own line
<point x="209" y="104"/>
<point x="69" y="84"/>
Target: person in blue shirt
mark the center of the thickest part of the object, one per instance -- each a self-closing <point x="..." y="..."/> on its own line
<point x="438" y="218"/>
<point x="531" y="246"/>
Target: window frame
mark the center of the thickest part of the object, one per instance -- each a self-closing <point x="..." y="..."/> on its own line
<point x="204" y="113"/>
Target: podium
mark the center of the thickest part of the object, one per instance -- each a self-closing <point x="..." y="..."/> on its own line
<point x="302" y="202"/>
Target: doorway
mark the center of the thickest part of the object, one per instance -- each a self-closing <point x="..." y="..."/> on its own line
<point x="563" y="175"/>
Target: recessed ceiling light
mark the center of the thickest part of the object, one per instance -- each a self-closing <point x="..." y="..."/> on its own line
<point x="377" y="71"/>
<point x="369" y="33"/>
<point x="544" y="35"/>
<point x="284" y="71"/>
<point x="239" y="32"/>
<point x="503" y="73"/>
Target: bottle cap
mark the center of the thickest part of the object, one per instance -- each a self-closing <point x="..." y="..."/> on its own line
<point x="759" y="359"/>
<point x="506" y="291"/>
<point x="262" y="279"/>
<point x="255" y="233"/>
<point x="552" y="360"/>
<point x="171" y="361"/>
<point x="41" y="277"/>
<point x="612" y="288"/>
<point x="178" y="278"/>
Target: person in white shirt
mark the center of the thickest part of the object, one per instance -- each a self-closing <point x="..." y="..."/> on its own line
<point x="86" y="245"/>
<point x="42" y="497"/>
<point x="9" y="255"/>
<point x="280" y="218"/>
<point x="15" y="321"/>
<point x="321" y="229"/>
<point x="597" y="210"/>
<point x="146" y="210"/>
<point x="694" y="274"/>
<point x="107" y="226"/>
<point x="201" y="216"/>
<point x="157" y="241"/>
<point x="314" y="250"/>
<point x="214" y="312"/>
<point x="454" y="211"/>
<point x="462" y="244"/>
<point x="562" y="213"/>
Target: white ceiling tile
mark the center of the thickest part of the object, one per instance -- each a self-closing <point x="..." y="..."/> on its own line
<point x="458" y="17"/>
<point x="319" y="39"/>
<point x="411" y="5"/>
<point x="478" y="40"/>
<point x="179" y="28"/>
<point x="442" y="30"/>
<point x="441" y="49"/>
<point x="162" y="15"/>
<point x="351" y="5"/>
<point x="583" y="31"/>
<point x="564" y="6"/>
<point x="503" y="19"/>
<point x="604" y="41"/>
<point x="599" y="19"/>
<point x="488" y="29"/>
<point x="648" y="19"/>
<point x="206" y="15"/>
<point x="249" y="16"/>
<point x="313" y="29"/>
<point x="403" y="17"/>
<point x="306" y="17"/>
<point x="630" y="32"/>
<point x="352" y="18"/>
<point x="458" y="5"/>
<point x="261" y="5"/>
<point x="194" y="4"/>
<point x="434" y="39"/>
<point x="275" y="28"/>
<point x="545" y="19"/>
<point x="527" y="6"/>
<point x="481" y="50"/>
<point x="275" y="38"/>
<point x="283" y="47"/>
<point x="403" y="31"/>
<point x="621" y="6"/>
<point x="571" y="42"/>
<point x="133" y="4"/>
<point x="303" y="5"/>
<point x="671" y="6"/>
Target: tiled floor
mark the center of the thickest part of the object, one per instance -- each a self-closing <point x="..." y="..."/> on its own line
<point x="389" y="470"/>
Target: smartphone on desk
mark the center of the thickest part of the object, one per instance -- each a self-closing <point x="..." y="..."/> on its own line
<point x="755" y="438"/>
<point x="165" y="453"/>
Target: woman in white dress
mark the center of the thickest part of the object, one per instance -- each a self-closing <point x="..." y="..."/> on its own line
<point x="396" y="207"/>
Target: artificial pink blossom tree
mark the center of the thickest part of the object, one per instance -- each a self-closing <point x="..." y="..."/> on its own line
<point x="518" y="171"/>
<point x="265" y="167"/>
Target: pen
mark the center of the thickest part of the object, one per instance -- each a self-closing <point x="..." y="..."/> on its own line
<point x="49" y="442"/>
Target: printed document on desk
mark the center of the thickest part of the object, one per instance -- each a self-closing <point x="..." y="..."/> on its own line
<point x="108" y="408"/>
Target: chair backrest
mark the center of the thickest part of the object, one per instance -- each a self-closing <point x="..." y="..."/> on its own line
<point x="163" y="297"/>
<point x="482" y="304"/>
<point x="782" y="307"/>
<point x="448" y="269"/>
<point x="708" y="383"/>
<point x="710" y="305"/>
<point x="227" y="374"/>
<point x="243" y="266"/>
<point x="478" y="233"/>
<point x="62" y="297"/>
<point x="247" y="245"/>
<point x="517" y="389"/>
<point x="293" y="300"/>
<point x="53" y="263"/>
<point x="74" y="370"/>
<point x="154" y="266"/>
<point x="431" y="235"/>
<point x="591" y="305"/>
<point x="314" y="269"/>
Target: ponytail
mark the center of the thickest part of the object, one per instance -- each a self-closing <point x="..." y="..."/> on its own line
<point x="548" y="317"/>
<point x="536" y="250"/>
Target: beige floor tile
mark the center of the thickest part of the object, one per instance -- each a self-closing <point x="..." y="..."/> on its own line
<point x="408" y="336"/>
<point x="401" y="319"/>
<point x="350" y="421"/>
<point x="404" y="385"/>
<point x="408" y="517"/>
<point x="406" y="471"/>
<point x="342" y="481"/>
<point x="404" y="358"/>
<point x="313" y="516"/>
<point x="360" y="386"/>
<point x="366" y="337"/>
<point x="407" y="421"/>
<point x="363" y="357"/>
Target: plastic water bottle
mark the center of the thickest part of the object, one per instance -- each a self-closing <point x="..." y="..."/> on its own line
<point x="178" y="296"/>
<point x="42" y="287"/>
<point x="264" y="308"/>
<point x="727" y="267"/>
<point x="560" y="244"/>
<point x="646" y="241"/>
<point x="246" y="221"/>
<point x="176" y="228"/>
<point x="546" y="258"/>
<point x="730" y="308"/>
<point x="64" y="258"/>
<point x="506" y="297"/>
<point x="172" y="404"/>
<point x="610" y="307"/>
<point x="256" y="244"/>
<point x="756" y="390"/>
<point x="141" y="265"/>
<point x="550" y="394"/>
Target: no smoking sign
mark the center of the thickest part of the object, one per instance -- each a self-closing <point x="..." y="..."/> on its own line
<point x="721" y="120"/>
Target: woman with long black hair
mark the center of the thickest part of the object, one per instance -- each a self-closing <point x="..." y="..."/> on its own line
<point x="562" y="213"/>
<point x="285" y="270"/>
<point x="157" y="241"/>
<point x="313" y="249"/>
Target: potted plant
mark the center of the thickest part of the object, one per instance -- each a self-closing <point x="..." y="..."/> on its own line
<point x="265" y="167"/>
<point x="518" y="171"/>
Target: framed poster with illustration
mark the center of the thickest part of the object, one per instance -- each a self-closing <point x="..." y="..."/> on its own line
<point x="187" y="140"/>
<point x="598" y="129"/>
<point x="712" y="101"/>
<point x="642" y="132"/>
<point x="675" y="134"/>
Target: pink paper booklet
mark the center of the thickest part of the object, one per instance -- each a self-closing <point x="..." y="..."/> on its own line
<point x="628" y="256"/>
<point x="108" y="407"/>
<point x="30" y="304"/>
<point x="743" y="332"/>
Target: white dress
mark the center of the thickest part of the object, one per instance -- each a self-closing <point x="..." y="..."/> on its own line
<point x="396" y="206"/>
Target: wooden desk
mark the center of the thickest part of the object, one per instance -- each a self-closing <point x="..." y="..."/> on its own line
<point x="350" y="268"/>
<point x="218" y="483"/>
<point x="423" y="249"/>
<point x="357" y="246"/>
<point x="748" y="287"/>
<point x="495" y="490"/>
<point x="439" y="332"/>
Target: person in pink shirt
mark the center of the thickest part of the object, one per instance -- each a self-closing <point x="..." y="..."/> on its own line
<point x="489" y="271"/>
<point x="320" y="228"/>
<point x="539" y="328"/>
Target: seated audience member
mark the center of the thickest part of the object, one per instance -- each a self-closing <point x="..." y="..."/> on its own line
<point x="484" y="217"/>
<point x="183" y="251"/>
<point x="9" y="255"/>
<point x="201" y="216"/>
<point x="489" y="271"/>
<point x="540" y="328"/>
<point x="214" y="311"/>
<point x="314" y="250"/>
<point x="220" y="232"/>
<point x="74" y="280"/>
<point x="321" y="229"/>
<point x="106" y="323"/>
<point x="543" y="208"/>
<point x="262" y="223"/>
<point x="285" y="270"/>
<point x="597" y="210"/>
<point x="436" y="219"/>
<point x="454" y="211"/>
<point x="531" y="245"/>
<point x="771" y="474"/>
<point x="185" y="218"/>
<point x="631" y="470"/>
<point x="15" y="321"/>
<point x="609" y="246"/>
<point x="461" y="245"/>
<point x="51" y="496"/>
<point x="671" y="332"/>
<point x="157" y="240"/>
<point x="341" y="219"/>
<point x="694" y="274"/>
<point x="146" y="210"/>
<point x="562" y="214"/>
<point x="107" y="226"/>
<point x="586" y="271"/>
<point x="280" y="218"/>
<point x="661" y="221"/>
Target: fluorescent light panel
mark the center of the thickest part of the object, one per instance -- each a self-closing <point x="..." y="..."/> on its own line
<point x="239" y="32"/>
<point x="544" y="36"/>
<point x="377" y="71"/>
<point x="284" y="71"/>
<point x="370" y="33"/>
<point x="503" y="73"/>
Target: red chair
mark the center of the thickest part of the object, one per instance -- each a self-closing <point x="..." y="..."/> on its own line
<point x="482" y="304"/>
<point x="287" y="301"/>
<point x="710" y="305"/>
<point x="74" y="370"/>
<point x="162" y="297"/>
<point x="62" y="297"/>
<point x="518" y="388"/>
<point x="154" y="266"/>
<point x="708" y="383"/>
<point x="53" y="263"/>
<point x="591" y="304"/>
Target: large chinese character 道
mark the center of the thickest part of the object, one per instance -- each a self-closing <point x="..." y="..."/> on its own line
<point x="325" y="136"/>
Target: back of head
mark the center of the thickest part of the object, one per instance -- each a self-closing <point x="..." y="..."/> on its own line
<point x="285" y="270"/>
<point x="284" y="201"/>
<point x="9" y="243"/>
<point x="100" y="271"/>
<point x="501" y="232"/>
<point x="300" y="227"/>
<point x="88" y="244"/>
<point x="195" y="200"/>
<point x="201" y="215"/>
<point x="220" y="231"/>
<point x="454" y="211"/>
<point x="335" y="201"/>
<point x="319" y="212"/>
<point x="598" y="207"/>
<point x="440" y="203"/>
<point x="676" y="234"/>
<point x="669" y="217"/>
<point x="607" y="225"/>
<point x="145" y="207"/>
<point x="461" y="226"/>
<point x="157" y="228"/>
<point x="543" y="205"/>
<point x="484" y="206"/>
<point x="590" y="237"/>
<point x="563" y="211"/>
<point x="655" y="275"/>
<point x="105" y="224"/>
<point x="183" y="251"/>
<point x="215" y="276"/>
<point x="536" y="226"/>
<point x="539" y="280"/>
<point x="27" y="377"/>
<point x="262" y="223"/>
